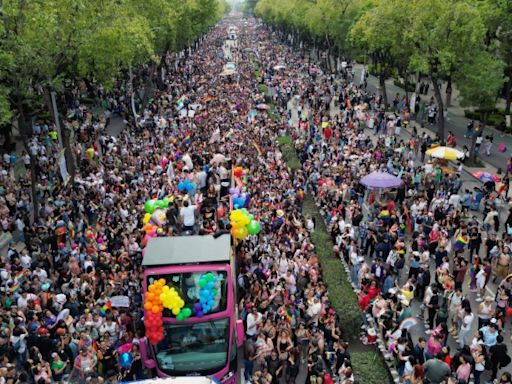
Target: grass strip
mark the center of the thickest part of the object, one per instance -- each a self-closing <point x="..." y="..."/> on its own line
<point x="369" y="366"/>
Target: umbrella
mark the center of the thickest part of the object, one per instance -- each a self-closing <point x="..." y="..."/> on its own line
<point x="380" y="180"/>
<point x="408" y="323"/>
<point x="262" y="106"/>
<point x="486" y="176"/>
<point x="446" y="153"/>
<point x="218" y="158"/>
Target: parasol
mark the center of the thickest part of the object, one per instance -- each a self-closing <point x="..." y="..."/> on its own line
<point x="377" y="180"/>
<point x="218" y="158"/>
<point x="446" y="153"/>
<point x="486" y="176"/>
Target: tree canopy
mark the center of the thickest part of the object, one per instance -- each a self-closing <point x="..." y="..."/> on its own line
<point x="437" y="38"/>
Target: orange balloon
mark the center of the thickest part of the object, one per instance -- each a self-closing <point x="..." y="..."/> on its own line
<point x="155" y="309"/>
<point x="150" y="296"/>
<point x="151" y="288"/>
<point x="148" y="306"/>
<point x="161" y="282"/>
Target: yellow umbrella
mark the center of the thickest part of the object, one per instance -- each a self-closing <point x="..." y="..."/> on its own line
<point x="446" y="153"/>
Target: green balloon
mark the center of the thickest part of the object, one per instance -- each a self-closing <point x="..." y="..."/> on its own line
<point x="254" y="227"/>
<point x="160" y="204"/>
<point x="214" y="291"/>
<point x="166" y="201"/>
<point x="202" y="282"/>
<point x="209" y="277"/>
<point x="151" y="280"/>
<point x="186" y="312"/>
<point x="150" y="206"/>
<point x="179" y="316"/>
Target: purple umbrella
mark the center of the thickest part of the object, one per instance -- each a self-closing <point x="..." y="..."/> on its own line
<point x="380" y="180"/>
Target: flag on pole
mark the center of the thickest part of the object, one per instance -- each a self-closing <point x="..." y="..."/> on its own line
<point x="186" y="140"/>
<point x="258" y="149"/>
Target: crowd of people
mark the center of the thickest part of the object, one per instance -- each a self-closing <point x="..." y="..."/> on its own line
<point x="418" y="243"/>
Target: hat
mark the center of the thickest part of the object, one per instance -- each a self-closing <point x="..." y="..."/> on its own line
<point x="405" y="302"/>
<point x="280" y="213"/>
<point x="42" y="331"/>
<point x="493" y="321"/>
<point x="392" y="291"/>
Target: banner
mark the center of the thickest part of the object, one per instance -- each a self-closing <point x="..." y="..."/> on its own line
<point x="120" y="301"/>
<point x="63" y="168"/>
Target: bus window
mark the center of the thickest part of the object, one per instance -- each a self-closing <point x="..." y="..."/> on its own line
<point x="199" y="348"/>
<point x="188" y="286"/>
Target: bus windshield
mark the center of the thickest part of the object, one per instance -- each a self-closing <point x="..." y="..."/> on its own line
<point x="200" y="348"/>
<point x="188" y="285"/>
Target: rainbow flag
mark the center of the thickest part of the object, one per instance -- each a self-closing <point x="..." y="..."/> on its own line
<point x="186" y="140"/>
<point x="460" y="243"/>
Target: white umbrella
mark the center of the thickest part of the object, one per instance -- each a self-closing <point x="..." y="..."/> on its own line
<point x="218" y="158"/>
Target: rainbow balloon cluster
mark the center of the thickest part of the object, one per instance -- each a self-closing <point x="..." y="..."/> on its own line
<point x="153" y="314"/>
<point x="243" y="224"/>
<point x="208" y="291"/>
<point x="158" y="297"/>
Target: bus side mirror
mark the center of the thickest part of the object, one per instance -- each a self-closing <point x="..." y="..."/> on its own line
<point x="240" y="333"/>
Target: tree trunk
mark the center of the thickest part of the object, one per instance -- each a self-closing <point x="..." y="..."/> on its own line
<point x="508" y="96"/>
<point x="68" y="151"/>
<point x="478" y="131"/>
<point x="440" y="106"/>
<point x="383" y="92"/>
<point x="22" y="121"/>
<point x="449" y="92"/>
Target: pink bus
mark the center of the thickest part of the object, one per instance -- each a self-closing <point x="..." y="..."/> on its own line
<point x="205" y="344"/>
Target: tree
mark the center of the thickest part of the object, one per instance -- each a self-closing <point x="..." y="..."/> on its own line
<point x="441" y="35"/>
<point x="379" y="32"/>
<point x="479" y="82"/>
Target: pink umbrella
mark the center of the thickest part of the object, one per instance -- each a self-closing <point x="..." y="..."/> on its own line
<point x="376" y="180"/>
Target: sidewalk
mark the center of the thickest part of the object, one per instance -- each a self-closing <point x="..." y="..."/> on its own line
<point x="455" y="122"/>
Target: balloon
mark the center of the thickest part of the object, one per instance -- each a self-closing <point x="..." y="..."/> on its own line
<point x="158" y="217"/>
<point x="239" y="233"/>
<point x="254" y="227"/>
<point x="175" y="311"/>
<point x="126" y="359"/>
<point x="238" y="171"/>
<point x="146" y="218"/>
<point x="199" y="314"/>
<point x="150" y="206"/>
<point x="202" y="282"/>
<point x="150" y="296"/>
<point x="186" y="312"/>
<point x="220" y="211"/>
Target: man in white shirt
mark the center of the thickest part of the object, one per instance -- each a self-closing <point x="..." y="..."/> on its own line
<point x="254" y="319"/>
<point x="188" y="216"/>
<point x="465" y="327"/>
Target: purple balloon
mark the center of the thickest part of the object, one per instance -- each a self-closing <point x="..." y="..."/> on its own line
<point x="199" y="314"/>
<point x="197" y="307"/>
<point x="232" y="191"/>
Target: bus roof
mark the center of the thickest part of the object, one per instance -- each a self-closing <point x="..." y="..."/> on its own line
<point x="187" y="250"/>
<point x="178" y="380"/>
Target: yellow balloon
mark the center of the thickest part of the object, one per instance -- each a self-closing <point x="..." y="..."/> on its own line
<point x="175" y="311"/>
